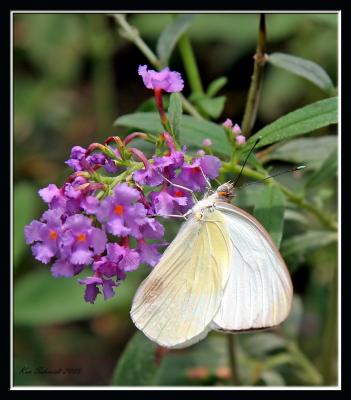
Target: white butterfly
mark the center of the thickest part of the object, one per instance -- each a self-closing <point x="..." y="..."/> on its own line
<point x="222" y="271"/>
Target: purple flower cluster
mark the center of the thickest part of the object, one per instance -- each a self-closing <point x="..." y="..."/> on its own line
<point x="80" y="230"/>
<point x="106" y="224"/>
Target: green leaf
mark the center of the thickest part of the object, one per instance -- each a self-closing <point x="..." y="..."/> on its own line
<point x="211" y="106"/>
<point x="25" y="204"/>
<point x="215" y="86"/>
<point x="269" y="210"/>
<point x="307" y="242"/>
<point x="176" y="367"/>
<point x="308" y="151"/>
<point x="298" y="122"/>
<point x="272" y="378"/>
<point x="170" y="36"/>
<point x="192" y="130"/>
<point x="260" y="344"/>
<point x="137" y="365"/>
<point x="327" y="171"/>
<point x="175" y="113"/>
<point x="304" y="68"/>
<point x="41" y="299"/>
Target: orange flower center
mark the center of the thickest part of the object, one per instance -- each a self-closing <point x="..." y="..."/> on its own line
<point x="53" y="234"/>
<point x="81" y="237"/>
<point x="119" y="209"/>
<point x="178" y="193"/>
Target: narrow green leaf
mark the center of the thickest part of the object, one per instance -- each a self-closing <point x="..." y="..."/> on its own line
<point x="307" y="242"/>
<point x="269" y="210"/>
<point x="170" y="36"/>
<point x="41" y="299"/>
<point x="273" y="378"/>
<point x="175" y="113"/>
<point x="25" y="204"/>
<point x="327" y="171"/>
<point x="304" y="68"/>
<point x="307" y="151"/>
<point x="215" y="86"/>
<point x="298" y="122"/>
<point x="137" y="365"/>
<point x="192" y="131"/>
<point x="211" y="106"/>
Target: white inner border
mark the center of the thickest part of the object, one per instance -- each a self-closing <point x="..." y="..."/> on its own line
<point x="256" y="388"/>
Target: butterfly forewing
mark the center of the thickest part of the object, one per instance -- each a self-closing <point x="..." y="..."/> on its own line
<point x="259" y="290"/>
<point x="176" y="303"/>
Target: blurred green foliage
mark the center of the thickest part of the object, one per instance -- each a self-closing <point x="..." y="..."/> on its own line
<point x="73" y="76"/>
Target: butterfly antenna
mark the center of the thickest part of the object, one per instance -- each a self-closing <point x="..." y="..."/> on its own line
<point x="247" y="157"/>
<point x="274" y="175"/>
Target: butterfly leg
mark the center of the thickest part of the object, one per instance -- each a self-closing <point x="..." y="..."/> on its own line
<point x="172" y="215"/>
<point x="184" y="188"/>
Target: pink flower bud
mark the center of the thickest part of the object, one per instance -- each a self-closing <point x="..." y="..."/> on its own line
<point x="236" y="129"/>
<point x="240" y="139"/>
<point x="228" y="123"/>
<point x="207" y="142"/>
<point x="200" y="153"/>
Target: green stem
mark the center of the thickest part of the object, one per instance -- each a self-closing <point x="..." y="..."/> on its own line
<point x="324" y="218"/>
<point x="253" y="96"/>
<point x="132" y="34"/>
<point x="312" y="375"/>
<point x="233" y="360"/>
<point x="101" y="48"/>
<point x="330" y="336"/>
<point x="190" y="65"/>
<point x="188" y="107"/>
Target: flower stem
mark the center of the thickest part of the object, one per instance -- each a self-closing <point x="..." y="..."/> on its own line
<point x="132" y="34"/>
<point x="253" y="96"/>
<point x="232" y="360"/>
<point x="190" y="65"/>
<point x="101" y="49"/>
<point x="322" y="216"/>
<point x="330" y="336"/>
<point x="312" y="375"/>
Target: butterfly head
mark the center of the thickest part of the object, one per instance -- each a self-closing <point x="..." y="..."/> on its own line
<point x="226" y="191"/>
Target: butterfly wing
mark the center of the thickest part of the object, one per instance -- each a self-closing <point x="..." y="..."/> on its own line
<point x="175" y="304"/>
<point x="259" y="290"/>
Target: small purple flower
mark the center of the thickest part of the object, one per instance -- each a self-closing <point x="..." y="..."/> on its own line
<point x="81" y="241"/>
<point x="149" y="253"/>
<point x="77" y="154"/>
<point x="170" y="81"/>
<point x="149" y="175"/>
<point x="104" y="266"/>
<point x="63" y="268"/>
<point x="53" y="196"/>
<point x="228" y="123"/>
<point x="152" y="229"/>
<point x="121" y="213"/>
<point x="192" y="175"/>
<point x="45" y="235"/>
<point x="240" y="139"/>
<point x="91" y="290"/>
<point x="236" y="129"/>
<point x="167" y="165"/>
<point x="126" y="258"/>
<point x="165" y="203"/>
